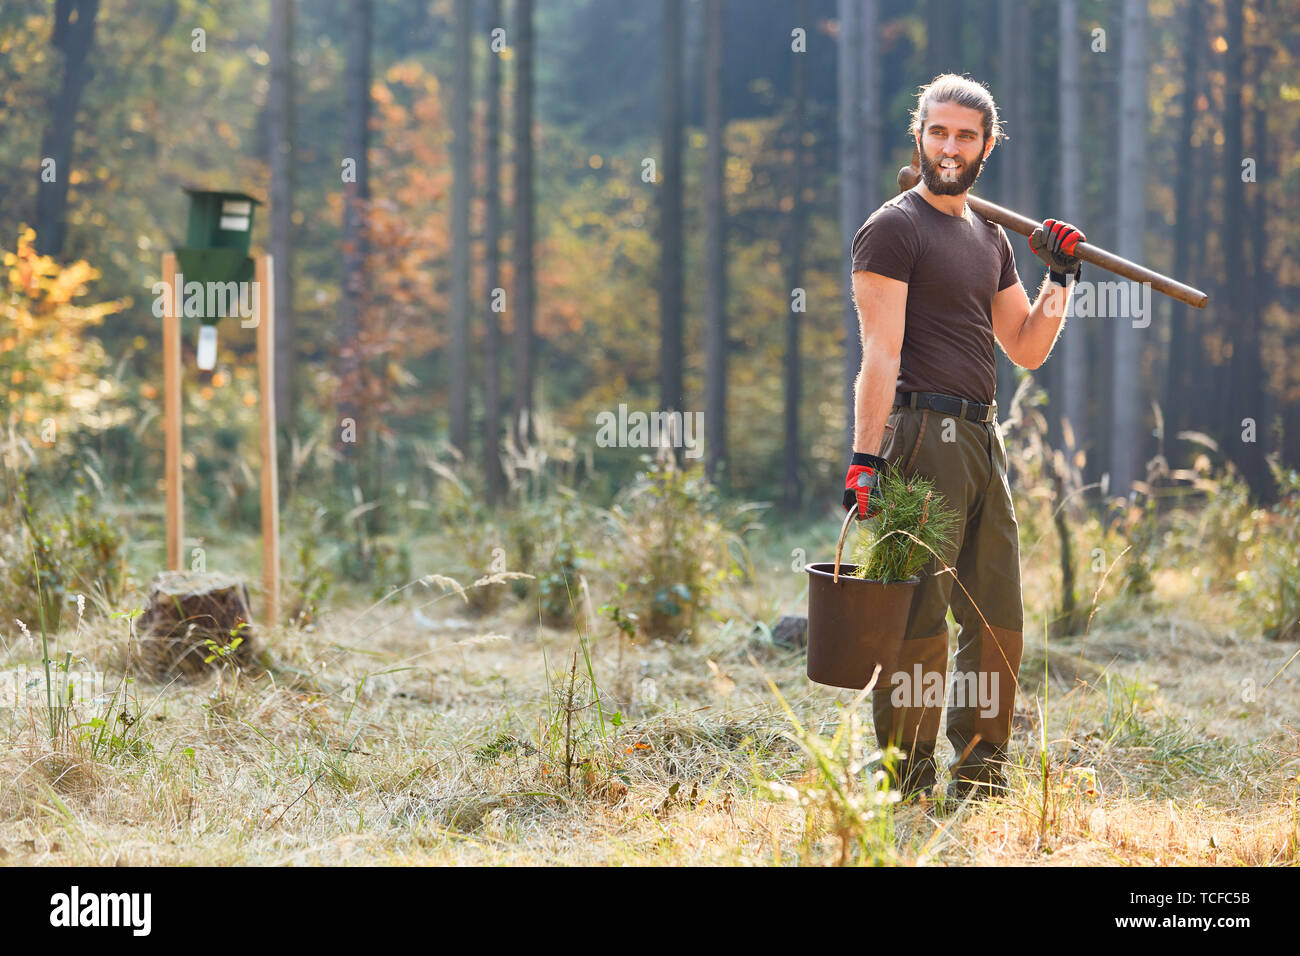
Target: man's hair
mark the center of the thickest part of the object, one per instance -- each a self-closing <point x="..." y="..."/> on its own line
<point x="963" y="91"/>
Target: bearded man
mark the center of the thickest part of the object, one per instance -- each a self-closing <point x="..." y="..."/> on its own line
<point x="935" y="286"/>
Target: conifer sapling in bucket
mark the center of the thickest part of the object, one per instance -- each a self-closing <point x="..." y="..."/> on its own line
<point x="857" y="613"/>
<point x="913" y="521"/>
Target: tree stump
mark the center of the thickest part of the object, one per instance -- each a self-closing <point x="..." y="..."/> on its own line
<point x="193" y="616"/>
<point x="791" y="631"/>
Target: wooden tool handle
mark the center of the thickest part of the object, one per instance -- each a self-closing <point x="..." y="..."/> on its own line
<point x="909" y="176"/>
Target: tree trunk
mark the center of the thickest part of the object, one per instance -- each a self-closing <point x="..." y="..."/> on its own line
<point x="1069" y="400"/>
<point x="851" y="189"/>
<point x="671" y="396"/>
<point x="1127" y="412"/>
<point x="942" y="37"/>
<point x="1262" y="277"/>
<point x="1016" y="171"/>
<point x="1182" y="327"/>
<point x="462" y="187"/>
<point x="525" y="430"/>
<point x="869" y="111"/>
<point x="791" y="491"/>
<point x="192" y="616"/>
<point x="492" y="262"/>
<point x="716" y="238"/>
<point x="281" y="122"/>
<point x="1245" y="371"/>
<point x="73" y="38"/>
<point x="356" y="192"/>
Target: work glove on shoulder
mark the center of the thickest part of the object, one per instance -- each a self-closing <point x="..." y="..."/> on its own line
<point x="1054" y="242"/>
<point x="862" y="485"/>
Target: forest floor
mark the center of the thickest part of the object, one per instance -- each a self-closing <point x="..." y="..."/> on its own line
<point x="383" y="735"/>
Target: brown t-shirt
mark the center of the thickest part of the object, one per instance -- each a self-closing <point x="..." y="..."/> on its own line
<point x="953" y="267"/>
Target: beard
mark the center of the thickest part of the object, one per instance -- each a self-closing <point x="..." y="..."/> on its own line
<point x="932" y="175"/>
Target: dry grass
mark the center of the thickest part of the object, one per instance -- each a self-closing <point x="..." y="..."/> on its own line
<point x="375" y="739"/>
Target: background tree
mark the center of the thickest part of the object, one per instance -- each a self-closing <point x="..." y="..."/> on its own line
<point x="280" y="121"/>
<point x="671" y="41"/>
<point x="1127" y="405"/>
<point x="793" y="242"/>
<point x="525" y="430"/>
<point x="1070" y="367"/>
<point x="716" y="344"/>
<point x="492" y="269"/>
<point x="73" y="36"/>
<point x="462" y="187"/>
<point x="352" y="429"/>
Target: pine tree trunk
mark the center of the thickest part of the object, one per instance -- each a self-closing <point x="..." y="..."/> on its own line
<point x="356" y="195"/>
<point x="671" y="40"/>
<point x="851" y="189"/>
<point x="1262" y="277"/>
<point x="1072" y="364"/>
<point x="1126" y="394"/>
<point x="791" y="491"/>
<point x="1016" y="170"/>
<point x="281" y="142"/>
<point x="716" y="239"/>
<point x="72" y="37"/>
<point x="1245" y="371"/>
<point x="461" y="190"/>
<point x="492" y="262"/>
<point x="525" y="430"/>
<point x="1182" y="328"/>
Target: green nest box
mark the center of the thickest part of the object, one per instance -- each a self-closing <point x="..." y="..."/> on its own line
<point x="217" y="239"/>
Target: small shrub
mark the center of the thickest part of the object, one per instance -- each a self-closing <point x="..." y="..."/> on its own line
<point x="310" y="579"/>
<point x="1271" y="586"/>
<point x="554" y="589"/>
<point x="673" y="542"/>
<point x="45" y="559"/>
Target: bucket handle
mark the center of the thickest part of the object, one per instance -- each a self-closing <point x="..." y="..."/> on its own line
<point x="839" y="549"/>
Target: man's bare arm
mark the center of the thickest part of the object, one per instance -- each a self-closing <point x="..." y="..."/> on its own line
<point x="1028" y="333"/>
<point x="881" y="303"/>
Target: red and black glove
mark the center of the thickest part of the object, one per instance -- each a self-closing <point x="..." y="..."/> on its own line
<point x="862" y="485"/>
<point x="1054" y="242"/>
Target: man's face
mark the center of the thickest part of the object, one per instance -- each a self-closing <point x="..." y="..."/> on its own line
<point x="953" y="148"/>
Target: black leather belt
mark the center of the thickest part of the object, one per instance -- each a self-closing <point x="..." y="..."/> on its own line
<point x="948" y="404"/>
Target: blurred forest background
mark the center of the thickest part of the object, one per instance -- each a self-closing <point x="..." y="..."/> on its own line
<point x="503" y="249"/>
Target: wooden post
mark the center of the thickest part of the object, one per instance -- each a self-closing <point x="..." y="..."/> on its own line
<point x="270" y="470"/>
<point x="172" y="412"/>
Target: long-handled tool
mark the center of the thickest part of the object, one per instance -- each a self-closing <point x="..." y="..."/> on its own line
<point x="909" y="176"/>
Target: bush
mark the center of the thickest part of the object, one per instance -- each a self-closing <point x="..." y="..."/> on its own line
<point x="46" y="560"/>
<point x="672" y="546"/>
<point x="310" y="579"/>
<point x="1271" y="586"/>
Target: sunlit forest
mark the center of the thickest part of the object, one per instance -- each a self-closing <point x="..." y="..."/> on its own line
<point x="454" y="604"/>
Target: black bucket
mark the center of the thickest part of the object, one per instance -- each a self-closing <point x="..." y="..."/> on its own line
<point x="854" y="625"/>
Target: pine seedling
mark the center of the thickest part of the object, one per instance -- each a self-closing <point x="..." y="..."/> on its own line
<point x="915" y="521"/>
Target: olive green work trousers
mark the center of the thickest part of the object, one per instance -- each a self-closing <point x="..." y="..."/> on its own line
<point x="967" y="461"/>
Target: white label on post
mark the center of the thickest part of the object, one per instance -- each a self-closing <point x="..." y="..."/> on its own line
<point x="207" y="347"/>
<point x="234" y="224"/>
<point x="236" y="207"/>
